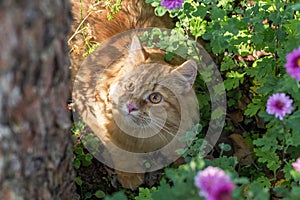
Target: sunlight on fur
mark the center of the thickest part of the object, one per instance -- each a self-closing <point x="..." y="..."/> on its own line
<point x="133" y="99"/>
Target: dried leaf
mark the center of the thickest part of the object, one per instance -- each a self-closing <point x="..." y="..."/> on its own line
<point x="242" y="150"/>
<point x="260" y="122"/>
<point x="236" y="116"/>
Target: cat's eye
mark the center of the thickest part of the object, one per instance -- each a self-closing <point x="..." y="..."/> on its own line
<point x="129" y="86"/>
<point x="155" y="98"/>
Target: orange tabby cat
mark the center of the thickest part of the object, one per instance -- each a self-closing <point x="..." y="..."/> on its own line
<point x="137" y="102"/>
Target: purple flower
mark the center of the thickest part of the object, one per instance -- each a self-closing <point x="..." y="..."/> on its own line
<point x="172" y="4"/>
<point x="296" y="164"/>
<point x="279" y="104"/>
<point x="214" y="184"/>
<point x="292" y="65"/>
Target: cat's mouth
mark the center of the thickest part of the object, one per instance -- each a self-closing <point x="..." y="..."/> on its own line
<point x="133" y="116"/>
<point x="138" y="119"/>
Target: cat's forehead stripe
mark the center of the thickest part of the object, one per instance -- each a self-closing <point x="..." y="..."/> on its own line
<point x="149" y="73"/>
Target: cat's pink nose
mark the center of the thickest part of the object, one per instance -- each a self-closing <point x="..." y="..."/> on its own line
<point x="131" y="107"/>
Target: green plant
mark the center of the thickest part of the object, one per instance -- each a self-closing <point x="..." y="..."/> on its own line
<point x="249" y="41"/>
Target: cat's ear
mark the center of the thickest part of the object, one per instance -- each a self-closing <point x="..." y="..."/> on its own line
<point x="136" y="54"/>
<point x="184" y="76"/>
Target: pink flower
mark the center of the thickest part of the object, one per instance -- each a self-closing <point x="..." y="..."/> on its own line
<point x="296" y="164"/>
<point x="279" y="104"/>
<point x="172" y="4"/>
<point x="214" y="184"/>
<point x="292" y="65"/>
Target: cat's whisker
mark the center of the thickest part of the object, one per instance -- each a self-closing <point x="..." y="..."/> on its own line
<point x="164" y="128"/>
<point x="159" y="134"/>
<point x="165" y="124"/>
<point x="143" y="121"/>
<point x="155" y="128"/>
<point x="168" y="125"/>
<point x="157" y="125"/>
<point x="163" y="138"/>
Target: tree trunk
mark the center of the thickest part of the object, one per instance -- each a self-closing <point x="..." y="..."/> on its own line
<point x="35" y="145"/>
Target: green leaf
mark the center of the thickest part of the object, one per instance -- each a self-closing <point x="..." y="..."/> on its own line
<point x="78" y="150"/>
<point x="233" y="80"/>
<point x="200" y="12"/>
<point x="88" y="195"/>
<point x="231" y="84"/>
<point x="287" y="171"/>
<point x="197" y="27"/>
<point x="188" y="9"/>
<point x="292" y="139"/>
<point x="169" y="56"/>
<point x="160" y="10"/>
<point x="257" y="192"/>
<point x="293" y="121"/>
<point x="76" y="163"/>
<point x="224" y="162"/>
<point x="263" y="181"/>
<point x="296" y="6"/>
<point x="295" y="174"/>
<point x="78" y="181"/>
<point x="217" y="14"/>
<point x="87" y="161"/>
<point x="267" y="142"/>
<point x="227" y="63"/>
<point x="88" y="157"/>
<point x="224" y="147"/>
<point x="149" y="1"/>
<point x="144" y="194"/>
<point x="99" y="194"/>
<point x="252" y="109"/>
<point x="117" y="196"/>
<point x="256" y="105"/>
<point x="294" y="194"/>
<point x="241" y="180"/>
<point x="268" y="157"/>
<point x="163" y="192"/>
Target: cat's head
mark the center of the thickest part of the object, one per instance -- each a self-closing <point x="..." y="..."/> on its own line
<point x="148" y="96"/>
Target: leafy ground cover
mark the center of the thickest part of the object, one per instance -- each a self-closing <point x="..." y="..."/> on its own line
<point x="256" y="46"/>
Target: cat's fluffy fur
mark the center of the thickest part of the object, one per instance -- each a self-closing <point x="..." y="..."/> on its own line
<point x="105" y="93"/>
<point x="133" y="14"/>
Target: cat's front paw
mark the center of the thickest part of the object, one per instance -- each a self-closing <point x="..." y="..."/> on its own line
<point x="130" y="180"/>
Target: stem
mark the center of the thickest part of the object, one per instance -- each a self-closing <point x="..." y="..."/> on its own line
<point x="81" y="23"/>
<point x="285" y="147"/>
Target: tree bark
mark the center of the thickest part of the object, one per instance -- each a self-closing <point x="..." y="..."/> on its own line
<point x="35" y="144"/>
